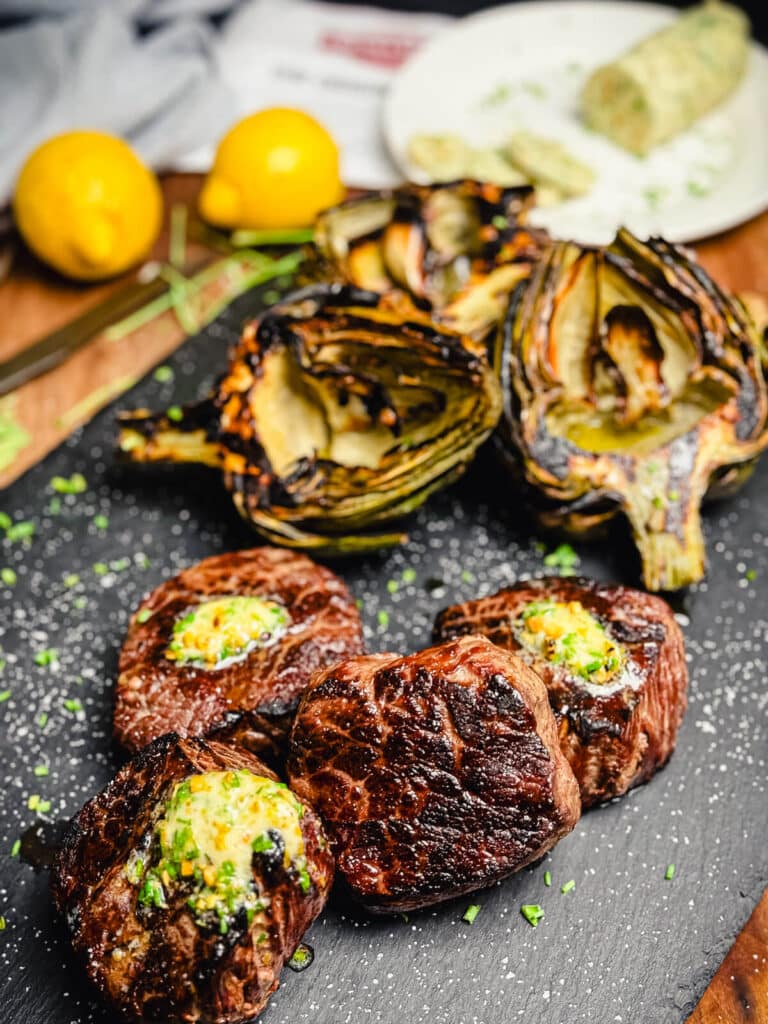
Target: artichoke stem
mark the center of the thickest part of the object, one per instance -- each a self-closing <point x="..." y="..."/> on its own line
<point x="671" y="558"/>
<point x="160" y="437"/>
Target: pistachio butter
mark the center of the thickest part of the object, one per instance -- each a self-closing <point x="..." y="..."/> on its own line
<point x="224" y="629"/>
<point x="565" y="633"/>
<point x="212" y="827"/>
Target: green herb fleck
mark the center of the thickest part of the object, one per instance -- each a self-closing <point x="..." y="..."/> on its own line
<point x="751" y="575"/>
<point x="163" y="374"/>
<point x="42" y="719"/>
<point x="8" y="576"/>
<point x="568" y="887"/>
<point x="301" y="957"/>
<point x="80" y="602"/>
<point x="5" y="695"/>
<point x="674" y="495"/>
<point x="305" y="882"/>
<point x="547" y="878"/>
<point x="535" y="89"/>
<point x="409" y="575"/>
<point x="100" y="568"/>
<point x="143" y="615"/>
<point x="467" y="577"/>
<point x="175" y="413"/>
<point x="20" y="531"/>
<point x="657" y="501"/>
<point x="120" y="564"/>
<point x="72" y="704"/>
<point x="100" y="521"/>
<point x="33" y="802"/>
<point x="41" y="770"/>
<point x="383" y="618"/>
<point x="5" y="521"/>
<point x="669" y="874"/>
<point x="54" y="506"/>
<point x="15" y="848"/>
<point x="49" y="656"/>
<point x="563" y="557"/>
<point x="3" y="924"/>
<point x="500" y="222"/>
<point x="696" y="189"/>
<point x="471" y="913"/>
<point x="71" y="579"/>
<point x="392" y="586"/>
<point x="262" y="843"/>
<point x="74" y="484"/>
<point x="532" y="913"/>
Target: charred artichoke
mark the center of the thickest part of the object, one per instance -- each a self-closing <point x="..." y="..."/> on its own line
<point x="457" y="249"/>
<point x="340" y="411"/>
<point x="632" y="383"/>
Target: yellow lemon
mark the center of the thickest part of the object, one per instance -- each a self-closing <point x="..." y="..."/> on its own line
<point x="87" y="205"/>
<point x="274" y="169"/>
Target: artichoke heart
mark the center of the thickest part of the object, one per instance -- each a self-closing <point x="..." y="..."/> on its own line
<point x="341" y="410"/>
<point x="457" y="249"/>
<point x="633" y="384"/>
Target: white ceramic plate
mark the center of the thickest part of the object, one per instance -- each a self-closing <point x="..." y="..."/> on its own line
<point x="522" y="67"/>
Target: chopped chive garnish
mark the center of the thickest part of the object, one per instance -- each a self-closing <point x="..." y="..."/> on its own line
<point x="175" y="413"/>
<point x="569" y="885"/>
<point x="547" y="878"/>
<point x="751" y="575"/>
<point x="674" y="495"/>
<point x="5" y="521"/>
<point x="20" y="531"/>
<point x="42" y="719"/>
<point x="49" y="656"/>
<point x="80" y="602"/>
<point x="500" y="221"/>
<point x="143" y="614"/>
<point x="532" y="913"/>
<point x="71" y="579"/>
<point x="54" y="506"/>
<point x="100" y="521"/>
<point x="120" y="564"/>
<point x="41" y="770"/>
<point x="247" y="237"/>
<point x="669" y="874"/>
<point x="33" y="802"/>
<point x="383" y="618"/>
<point x="4" y="696"/>
<point x="43" y="806"/>
<point x="563" y="557"/>
<point x="8" y="576"/>
<point x="100" y="568"/>
<point x="15" y="848"/>
<point x="392" y="586"/>
<point x="72" y="704"/>
<point x="74" y="484"/>
<point x="2" y="923"/>
<point x="163" y="374"/>
<point x="471" y="913"/>
<point x="409" y="575"/>
<point x="467" y="577"/>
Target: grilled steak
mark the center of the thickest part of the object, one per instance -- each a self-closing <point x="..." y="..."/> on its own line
<point x="617" y="683"/>
<point x="189" y="880"/>
<point x="240" y="631"/>
<point x="435" y="774"/>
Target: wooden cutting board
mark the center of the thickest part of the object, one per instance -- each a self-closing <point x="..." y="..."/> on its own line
<point x="738" y="993"/>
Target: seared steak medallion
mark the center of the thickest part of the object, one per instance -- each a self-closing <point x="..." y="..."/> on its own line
<point x="613" y="661"/>
<point x="237" y="632"/>
<point x="435" y="774"/>
<point x="189" y="880"/>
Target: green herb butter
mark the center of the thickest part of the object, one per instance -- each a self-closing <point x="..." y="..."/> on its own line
<point x="224" y="629"/>
<point x="565" y="633"/>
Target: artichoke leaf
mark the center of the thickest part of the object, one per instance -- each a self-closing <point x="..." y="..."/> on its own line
<point x="341" y="410"/>
<point x="456" y="249"/>
<point x="631" y="384"/>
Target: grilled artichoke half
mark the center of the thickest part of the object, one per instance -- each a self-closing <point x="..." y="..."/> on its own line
<point x="457" y="249"/>
<point x="341" y="410"/>
<point x="632" y="383"/>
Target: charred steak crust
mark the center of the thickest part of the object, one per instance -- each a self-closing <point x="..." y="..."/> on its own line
<point x="155" y="695"/>
<point x="158" y="964"/>
<point x="435" y="774"/>
<point x="616" y="736"/>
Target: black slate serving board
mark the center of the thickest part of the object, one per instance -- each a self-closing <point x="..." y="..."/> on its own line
<point x="625" y="945"/>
